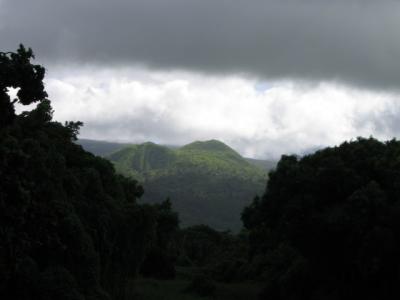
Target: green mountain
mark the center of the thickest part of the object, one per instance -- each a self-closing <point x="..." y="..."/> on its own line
<point x="105" y="148"/>
<point x="207" y="182"/>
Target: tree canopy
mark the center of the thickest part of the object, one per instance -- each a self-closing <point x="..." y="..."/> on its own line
<point x="327" y="226"/>
<point x="17" y="71"/>
<point x="70" y="227"/>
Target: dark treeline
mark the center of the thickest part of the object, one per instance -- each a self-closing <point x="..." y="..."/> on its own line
<point x="70" y="228"/>
<point x="327" y="226"/>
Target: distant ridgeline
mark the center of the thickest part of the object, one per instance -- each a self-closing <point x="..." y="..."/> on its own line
<point x="208" y="182"/>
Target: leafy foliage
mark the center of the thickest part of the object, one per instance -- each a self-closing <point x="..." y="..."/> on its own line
<point x="220" y="255"/>
<point x="70" y="227"/>
<point x="16" y="71"/>
<point x="159" y="261"/>
<point x="327" y="226"/>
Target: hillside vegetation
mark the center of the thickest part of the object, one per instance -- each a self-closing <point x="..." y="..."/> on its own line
<point x="208" y="182"/>
<point x="105" y="148"/>
<point x="70" y="227"/>
<point x="327" y="226"/>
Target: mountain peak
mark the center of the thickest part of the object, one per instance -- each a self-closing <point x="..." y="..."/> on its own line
<point x="150" y="145"/>
<point x="210" y="145"/>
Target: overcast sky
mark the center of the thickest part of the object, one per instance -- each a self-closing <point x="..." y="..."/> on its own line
<point x="265" y="76"/>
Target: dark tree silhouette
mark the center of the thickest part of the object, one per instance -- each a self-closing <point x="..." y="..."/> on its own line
<point x="327" y="226"/>
<point x="16" y="71"/>
<point x="70" y="227"/>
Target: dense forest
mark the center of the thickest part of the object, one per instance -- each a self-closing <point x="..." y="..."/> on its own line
<point x="70" y="227"/>
<point x="326" y="227"/>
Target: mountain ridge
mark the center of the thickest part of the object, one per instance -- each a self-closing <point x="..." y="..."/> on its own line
<point x="207" y="181"/>
<point x="105" y="148"/>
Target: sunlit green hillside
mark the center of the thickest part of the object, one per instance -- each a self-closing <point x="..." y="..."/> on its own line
<point x="208" y="182"/>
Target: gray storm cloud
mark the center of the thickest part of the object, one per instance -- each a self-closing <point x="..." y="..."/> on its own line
<point x="355" y="42"/>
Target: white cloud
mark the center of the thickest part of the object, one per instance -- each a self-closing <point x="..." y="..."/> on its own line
<point x="177" y="108"/>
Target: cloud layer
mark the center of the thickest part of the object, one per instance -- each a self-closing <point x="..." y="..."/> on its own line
<point x="265" y="76"/>
<point x="354" y="41"/>
<point x="257" y="119"/>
